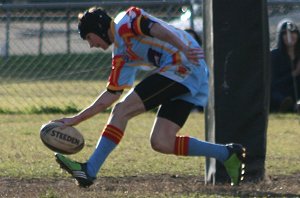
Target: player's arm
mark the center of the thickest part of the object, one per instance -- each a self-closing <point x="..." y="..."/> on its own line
<point x="105" y="100"/>
<point x="143" y="25"/>
<point x="162" y="33"/>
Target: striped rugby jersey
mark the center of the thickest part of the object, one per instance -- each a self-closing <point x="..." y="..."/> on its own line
<point x="133" y="50"/>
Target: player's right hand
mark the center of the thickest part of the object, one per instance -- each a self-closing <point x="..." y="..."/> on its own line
<point x="194" y="54"/>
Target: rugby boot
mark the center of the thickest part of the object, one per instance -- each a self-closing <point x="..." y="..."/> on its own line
<point x="234" y="165"/>
<point x="76" y="169"/>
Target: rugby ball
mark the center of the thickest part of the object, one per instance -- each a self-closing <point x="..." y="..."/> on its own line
<point x="61" y="139"/>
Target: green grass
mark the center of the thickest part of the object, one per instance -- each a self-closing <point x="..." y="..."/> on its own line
<point x="48" y="96"/>
<point x="283" y="145"/>
<point x="55" y="67"/>
<point x="26" y="105"/>
<point x="23" y="154"/>
<point x="55" y="83"/>
<point x="65" y="96"/>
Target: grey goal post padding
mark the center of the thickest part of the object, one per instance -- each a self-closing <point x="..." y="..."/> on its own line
<point x="236" y="40"/>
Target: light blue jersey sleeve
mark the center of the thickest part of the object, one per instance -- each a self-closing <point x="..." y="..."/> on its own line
<point x="135" y="49"/>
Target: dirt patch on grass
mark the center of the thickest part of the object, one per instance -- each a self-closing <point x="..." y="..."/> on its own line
<point x="148" y="186"/>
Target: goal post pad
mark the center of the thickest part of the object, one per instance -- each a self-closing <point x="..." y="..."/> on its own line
<point x="236" y="40"/>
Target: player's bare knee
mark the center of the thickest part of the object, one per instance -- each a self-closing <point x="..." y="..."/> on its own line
<point x="118" y="110"/>
<point x="160" y="146"/>
<point x="122" y="111"/>
<point x="156" y="146"/>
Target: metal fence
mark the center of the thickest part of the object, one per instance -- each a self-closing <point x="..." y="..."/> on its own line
<point x="44" y="63"/>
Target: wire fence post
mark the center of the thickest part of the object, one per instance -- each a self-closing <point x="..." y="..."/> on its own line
<point x="7" y="36"/>
<point x="41" y="32"/>
<point x="68" y="32"/>
<point x="192" y="16"/>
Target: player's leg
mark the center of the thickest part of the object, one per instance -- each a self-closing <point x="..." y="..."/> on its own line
<point x="148" y="94"/>
<point x="130" y="106"/>
<point x="171" y="117"/>
<point x="112" y="134"/>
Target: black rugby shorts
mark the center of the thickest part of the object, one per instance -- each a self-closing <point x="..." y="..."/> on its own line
<point x="157" y="90"/>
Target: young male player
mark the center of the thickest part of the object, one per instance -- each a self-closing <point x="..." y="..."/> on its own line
<point x="179" y="82"/>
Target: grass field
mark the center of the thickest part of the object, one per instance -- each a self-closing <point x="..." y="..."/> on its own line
<point x="21" y="143"/>
<point x="25" y="159"/>
<point x="28" y="168"/>
<point x="32" y="96"/>
<point x="28" y="97"/>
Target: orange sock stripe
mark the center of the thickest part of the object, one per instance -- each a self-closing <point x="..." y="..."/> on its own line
<point x="181" y="145"/>
<point x="116" y="133"/>
<point x="113" y="133"/>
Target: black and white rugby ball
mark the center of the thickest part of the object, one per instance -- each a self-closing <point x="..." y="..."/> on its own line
<point x="61" y="139"/>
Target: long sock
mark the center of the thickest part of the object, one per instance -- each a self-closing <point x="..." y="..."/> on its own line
<point x="109" y="139"/>
<point x="189" y="146"/>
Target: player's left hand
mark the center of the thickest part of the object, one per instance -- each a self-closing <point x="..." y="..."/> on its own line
<point x="194" y="54"/>
<point x="71" y="121"/>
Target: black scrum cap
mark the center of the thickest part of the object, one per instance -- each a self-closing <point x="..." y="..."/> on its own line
<point x="96" y="21"/>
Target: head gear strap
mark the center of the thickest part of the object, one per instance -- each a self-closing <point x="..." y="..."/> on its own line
<point x="97" y="22"/>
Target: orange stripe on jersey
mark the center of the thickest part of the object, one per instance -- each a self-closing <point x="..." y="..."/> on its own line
<point x="113" y="133"/>
<point x="125" y="32"/>
<point x="144" y="41"/>
<point x="137" y="26"/>
<point x="132" y="55"/>
<point x="133" y="10"/>
<point x="117" y="64"/>
<point x="165" y="68"/>
<point x="181" y="145"/>
<point x="176" y="58"/>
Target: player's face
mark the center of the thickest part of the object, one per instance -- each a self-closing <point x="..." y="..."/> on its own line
<point x="95" y="41"/>
<point x="290" y="38"/>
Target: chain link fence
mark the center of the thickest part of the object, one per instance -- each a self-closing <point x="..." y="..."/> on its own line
<point x="45" y="66"/>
